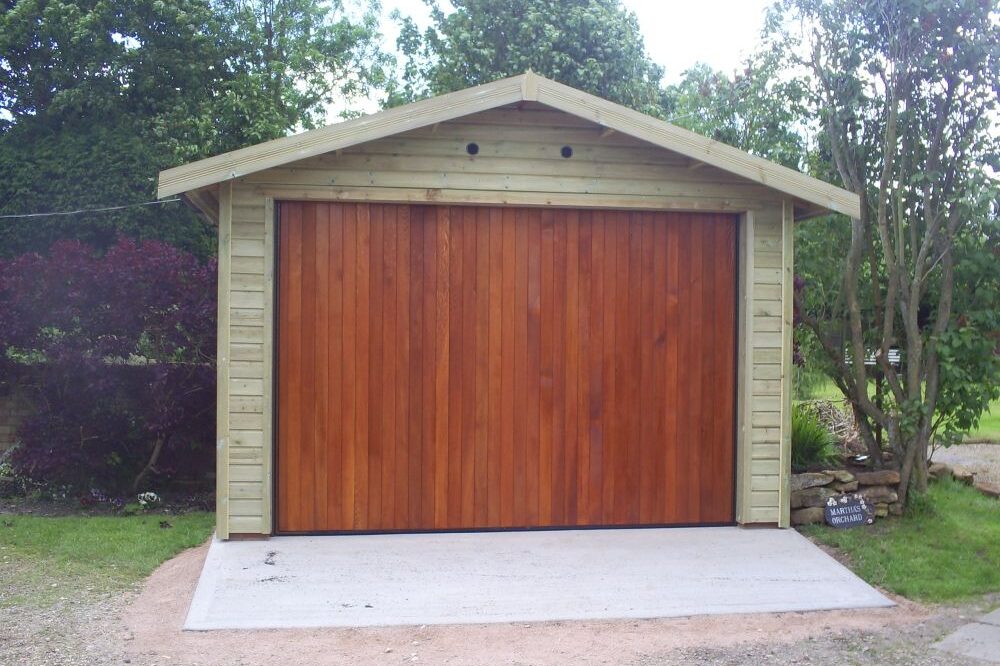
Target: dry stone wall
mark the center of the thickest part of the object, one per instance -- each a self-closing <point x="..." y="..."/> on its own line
<point x="810" y="491"/>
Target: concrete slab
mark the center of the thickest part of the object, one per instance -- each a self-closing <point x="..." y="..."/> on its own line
<point x="992" y="618"/>
<point x="975" y="640"/>
<point x="403" y="579"/>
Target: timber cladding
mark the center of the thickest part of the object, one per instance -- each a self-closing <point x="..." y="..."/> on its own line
<point x="455" y="367"/>
<point x="388" y="282"/>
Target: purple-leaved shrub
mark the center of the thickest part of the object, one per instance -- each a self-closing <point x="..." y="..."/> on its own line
<point x="117" y="352"/>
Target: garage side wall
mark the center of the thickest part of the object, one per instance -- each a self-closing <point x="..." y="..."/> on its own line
<point x="519" y="163"/>
<point x="246" y="269"/>
<point x="766" y="364"/>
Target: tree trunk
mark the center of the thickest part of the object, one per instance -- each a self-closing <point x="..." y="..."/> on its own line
<point x="150" y="464"/>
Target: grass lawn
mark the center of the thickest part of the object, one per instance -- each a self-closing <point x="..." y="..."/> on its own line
<point x="53" y="557"/>
<point x="989" y="424"/>
<point x="946" y="549"/>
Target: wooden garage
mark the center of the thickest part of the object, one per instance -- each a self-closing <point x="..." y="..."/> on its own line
<point x="515" y="306"/>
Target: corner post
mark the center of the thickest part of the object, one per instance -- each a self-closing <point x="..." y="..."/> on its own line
<point x="744" y="375"/>
<point x="222" y="372"/>
<point x="787" y="296"/>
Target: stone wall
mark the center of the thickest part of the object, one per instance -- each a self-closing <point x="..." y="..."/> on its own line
<point x="810" y="491"/>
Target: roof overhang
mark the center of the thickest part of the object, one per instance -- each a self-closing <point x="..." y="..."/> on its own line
<point x="814" y="197"/>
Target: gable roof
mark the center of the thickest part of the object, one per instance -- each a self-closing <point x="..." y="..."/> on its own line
<point x="528" y="87"/>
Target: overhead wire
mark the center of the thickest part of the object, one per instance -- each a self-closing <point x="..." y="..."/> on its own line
<point x="82" y="211"/>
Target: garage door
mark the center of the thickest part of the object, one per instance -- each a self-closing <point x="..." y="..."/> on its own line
<point x="446" y="367"/>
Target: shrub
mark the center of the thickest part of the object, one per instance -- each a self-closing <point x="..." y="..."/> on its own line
<point x="812" y="444"/>
<point x="118" y="352"/>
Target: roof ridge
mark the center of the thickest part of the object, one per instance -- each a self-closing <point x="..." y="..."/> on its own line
<point x="529" y="87"/>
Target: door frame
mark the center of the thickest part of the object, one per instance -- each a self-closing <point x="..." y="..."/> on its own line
<point x="742" y="359"/>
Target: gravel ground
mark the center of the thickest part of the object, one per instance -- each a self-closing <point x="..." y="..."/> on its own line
<point x="76" y="632"/>
<point x="981" y="458"/>
<point x="142" y="628"/>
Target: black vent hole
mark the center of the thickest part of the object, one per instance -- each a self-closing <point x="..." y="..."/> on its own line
<point x="566" y="152"/>
<point x="472" y="148"/>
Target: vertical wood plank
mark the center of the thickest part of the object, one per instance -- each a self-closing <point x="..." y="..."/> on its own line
<point x="457" y="358"/>
<point x="574" y="434"/>
<point x="482" y="405"/>
<point x="520" y="370"/>
<point x="222" y="423"/>
<point x="787" y="287"/>
<point x="623" y="380"/>
<point x="609" y="370"/>
<point x="585" y="502"/>
<point x="268" y="370"/>
<point x="725" y="314"/>
<point x="362" y="432"/>
<point x="494" y="469"/>
<point x="507" y="371"/>
<point x="545" y="382"/>
<point x="376" y="393"/>
<point x="708" y="375"/>
<point x="693" y="369"/>
<point x="469" y="367"/>
<point x="427" y="296"/>
<point x="659" y="362"/>
<point x="390" y="264"/>
<point x="305" y="249"/>
<point x="420" y="381"/>
<point x="594" y="365"/>
<point x="634" y="359"/>
<point x="534" y="363"/>
<point x="336" y="325"/>
<point x="646" y="449"/>
<point x="671" y="400"/>
<point x="558" y="353"/>
<point x="442" y="366"/>
<point x="320" y="346"/>
<point x="349" y="218"/>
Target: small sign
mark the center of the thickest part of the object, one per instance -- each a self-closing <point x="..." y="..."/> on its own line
<point x="848" y="511"/>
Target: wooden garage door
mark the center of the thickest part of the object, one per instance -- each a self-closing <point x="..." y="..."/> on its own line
<point x="468" y="367"/>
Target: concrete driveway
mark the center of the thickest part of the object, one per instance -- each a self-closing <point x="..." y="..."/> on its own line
<point x="418" y="579"/>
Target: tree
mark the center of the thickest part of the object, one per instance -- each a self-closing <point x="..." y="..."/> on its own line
<point x="757" y="110"/>
<point x="905" y="94"/>
<point x="99" y="96"/>
<point x="98" y="100"/>
<point x="292" y="60"/>
<point x="119" y="363"/>
<point x="593" y="45"/>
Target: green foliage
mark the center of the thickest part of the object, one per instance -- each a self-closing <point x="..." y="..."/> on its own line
<point x="60" y="557"/>
<point x="99" y="100"/>
<point x="88" y="165"/>
<point x="905" y="95"/>
<point x="593" y="45"/>
<point x="291" y="60"/>
<point x="96" y="98"/>
<point x="755" y="110"/>
<point x="951" y="529"/>
<point x="970" y="349"/>
<point x="812" y="444"/>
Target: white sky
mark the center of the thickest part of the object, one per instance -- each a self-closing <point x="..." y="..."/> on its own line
<point x="678" y="33"/>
